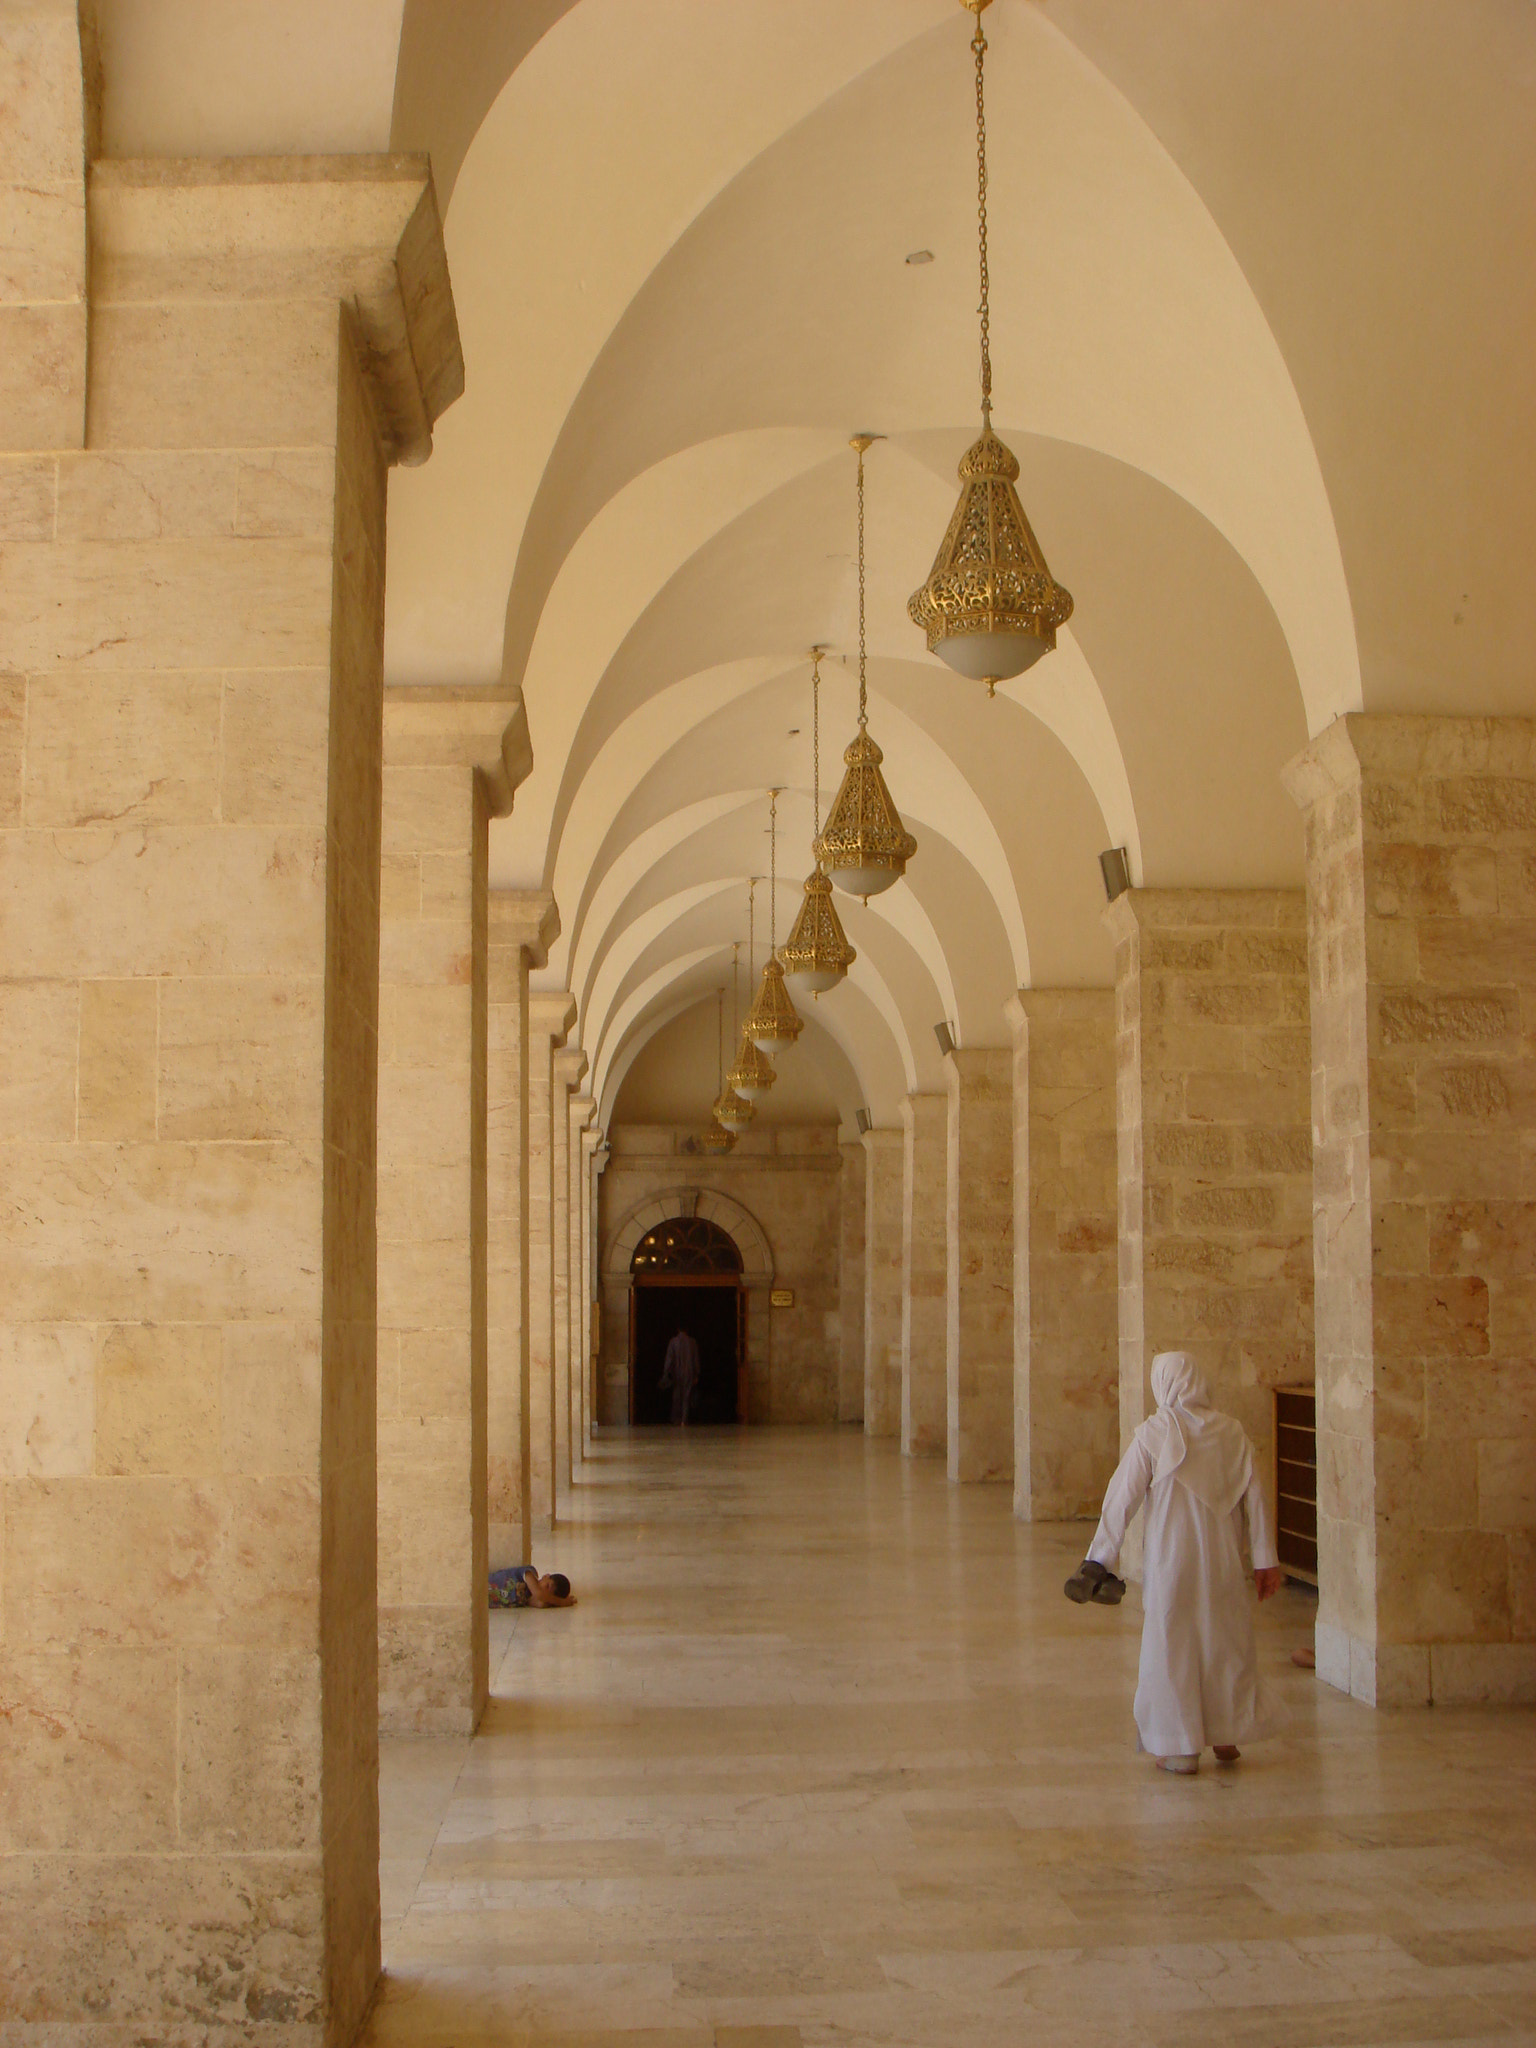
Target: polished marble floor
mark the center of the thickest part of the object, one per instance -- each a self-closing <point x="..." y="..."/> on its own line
<point x="824" y="1756"/>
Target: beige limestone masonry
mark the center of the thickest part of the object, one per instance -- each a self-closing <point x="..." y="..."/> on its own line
<point x="521" y="927"/>
<point x="1066" y="1399"/>
<point x="45" y="115"/>
<point x="852" y="1197"/>
<point x="189" y="873"/>
<point x="550" y="1016"/>
<point x="1214" y="1154"/>
<point x="883" y="1294"/>
<point x="581" y="1108"/>
<point x="978" y="1335"/>
<point x="777" y="1195"/>
<point x="444" y="779"/>
<point x="594" y="1155"/>
<point x="569" y="1064"/>
<point x="923" y="1192"/>
<point x="1421" y="868"/>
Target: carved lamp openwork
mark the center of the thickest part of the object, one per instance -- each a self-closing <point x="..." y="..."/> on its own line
<point x="990" y="606"/>
<point x="864" y="846"/>
<point x="816" y="955"/>
<point x="773" y="1022"/>
<point x="717" y="1138"/>
<point x="752" y="1074"/>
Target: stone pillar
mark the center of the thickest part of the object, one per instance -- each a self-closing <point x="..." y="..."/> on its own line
<point x="591" y="1147"/>
<point x="444" y="778"/>
<point x="1066" y="1404"/>
<point x="523" y="924"/>
<point x="923" y="1188"/>
<point x="550" y="1016"/>
<point x="853" y="1196"/>
<point x="191" y="609"/>
<point x="1214" y="1156"/>
<point x="882" y="1283"/>
<point x="978" y="1331"/>
<point x="1421" y="876"/>
<point x="581" y="1108"/>
<point x="569" y="1066"/>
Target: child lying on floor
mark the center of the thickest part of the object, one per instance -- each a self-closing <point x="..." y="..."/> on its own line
<point x="521" y="1586"/>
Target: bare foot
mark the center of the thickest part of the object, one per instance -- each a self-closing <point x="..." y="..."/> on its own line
<point x="1304" y="1660"/>
<point x="1226" y="1752"/>
<point x="1180" y="1766"/>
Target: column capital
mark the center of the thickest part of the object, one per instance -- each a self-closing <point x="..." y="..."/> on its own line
<point x="364" y="230"/>
<point x="553" y="1012"/>
<point x="529" y="918"/>
<point x="1363" y="746"/>
<point x="1141" y="910"/>
<point x="446" y="725"/>
<point x="912" y="1108"/>
<point x="582" y="1106"/>
<point x="570" y="1065"/>
<point x="881" y="1139"/>
<point x="1058" y="1006"/>
<point x="593" y="1141"/>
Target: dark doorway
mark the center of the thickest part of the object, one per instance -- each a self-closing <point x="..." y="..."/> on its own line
<point x="686" y="1275"/>
<point x="708" y="1312"/>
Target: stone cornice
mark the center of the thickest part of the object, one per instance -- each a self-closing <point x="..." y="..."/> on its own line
<point x="529" y="918"/>
<point x="361" y="230"/>
<point x="552" y="1012"/>
<point x="448" y="725"/>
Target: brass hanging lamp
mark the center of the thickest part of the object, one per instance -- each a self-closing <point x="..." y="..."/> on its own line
<point x="733" y="1111"/>
<point x="717" y="1138"/>
<point x="752" y="1074"/>
<point x="864" y="846"/>
<point x="990" y="607"/>
<point x="773" y="1021"/>
<point x="816" y="955"/>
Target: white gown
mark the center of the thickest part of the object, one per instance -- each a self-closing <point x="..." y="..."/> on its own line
<point x="1199" y="1683"/>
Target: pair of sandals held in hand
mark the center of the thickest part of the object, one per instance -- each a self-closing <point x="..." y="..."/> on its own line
<point x="1094" y="1582"/>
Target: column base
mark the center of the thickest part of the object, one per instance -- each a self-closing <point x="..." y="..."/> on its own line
<point x="1426" y="1674"/>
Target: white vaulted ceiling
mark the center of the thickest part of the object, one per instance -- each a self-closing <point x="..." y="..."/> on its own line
<point x="1262" y="312"/>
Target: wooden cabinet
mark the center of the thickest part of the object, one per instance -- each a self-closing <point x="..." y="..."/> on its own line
<point x="1296" y="1482"/>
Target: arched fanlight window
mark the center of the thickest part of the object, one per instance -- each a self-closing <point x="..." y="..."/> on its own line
<point x="685" y="1245"/>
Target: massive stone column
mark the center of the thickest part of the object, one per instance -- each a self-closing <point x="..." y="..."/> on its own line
<point x="593" y="1151"/>
<point x="923" y="1300"/>
<point x="1215" y="1159"/>
<point x="450" y="756"/>
<point x="570" y="1063"/>
<point x="522" y="925"/>
<point x="978" y="1340"/>
<point x="191" y="608"/>
<point x="852" y="1199"/>
<point x="1066" y="1406"/>
<point x="550" y="1016"/>
<point x="1421" y="881"/>
<point x="882" y="1283"/>
<point x="580" y="1111"/>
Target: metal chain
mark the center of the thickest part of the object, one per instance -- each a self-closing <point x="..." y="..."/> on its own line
<point x="751" y="926"/>
<point x="735" y="987"/>
<point x="719" y="1042"/>
<point x="979" y="46"/>
<point x="773" y="873"/>
<point x="816" y="742"/>
<point x="863" y="710"/>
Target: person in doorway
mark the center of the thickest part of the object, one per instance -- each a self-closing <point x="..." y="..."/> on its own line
<point x="1198" y="1686"/>
<point x="680" y="1372"/>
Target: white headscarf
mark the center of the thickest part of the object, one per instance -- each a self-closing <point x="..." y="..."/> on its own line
<point x="1191" y="1441"/>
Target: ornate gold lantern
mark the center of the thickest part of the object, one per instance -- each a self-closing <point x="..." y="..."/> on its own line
<point x="816" y="955"/>
<point x="864" y="846"/>
<point x="752" y="1074"/>
<point x="717" y="1138"/>
<point x="990" y="607"/>
<point x="773" y="1021"/>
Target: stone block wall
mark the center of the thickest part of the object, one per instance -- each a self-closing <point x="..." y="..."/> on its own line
<point x="1421" y="857"/>
<point x="923" y="1279"/>
<point x="1066" y="1404"/>
<point x="853" y="1197"/>
<point x="190" y="734"/>
<point x="787" y="1179"/>
<point x="1214" y="1152"/>
<point x="883" y="1282"/>
<point x="979" y="1264"/>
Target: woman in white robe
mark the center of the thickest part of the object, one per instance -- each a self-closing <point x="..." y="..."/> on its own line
<point x="1198" y="1686"/>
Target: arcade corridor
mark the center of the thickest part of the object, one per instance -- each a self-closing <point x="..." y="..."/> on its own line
<point x="824" y="1756"/>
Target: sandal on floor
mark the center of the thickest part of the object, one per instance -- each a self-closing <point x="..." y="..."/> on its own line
<point x="1180" y="1766"/>
<point x="1226" y="1752"/>
<point x="1092" y="1581"/>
